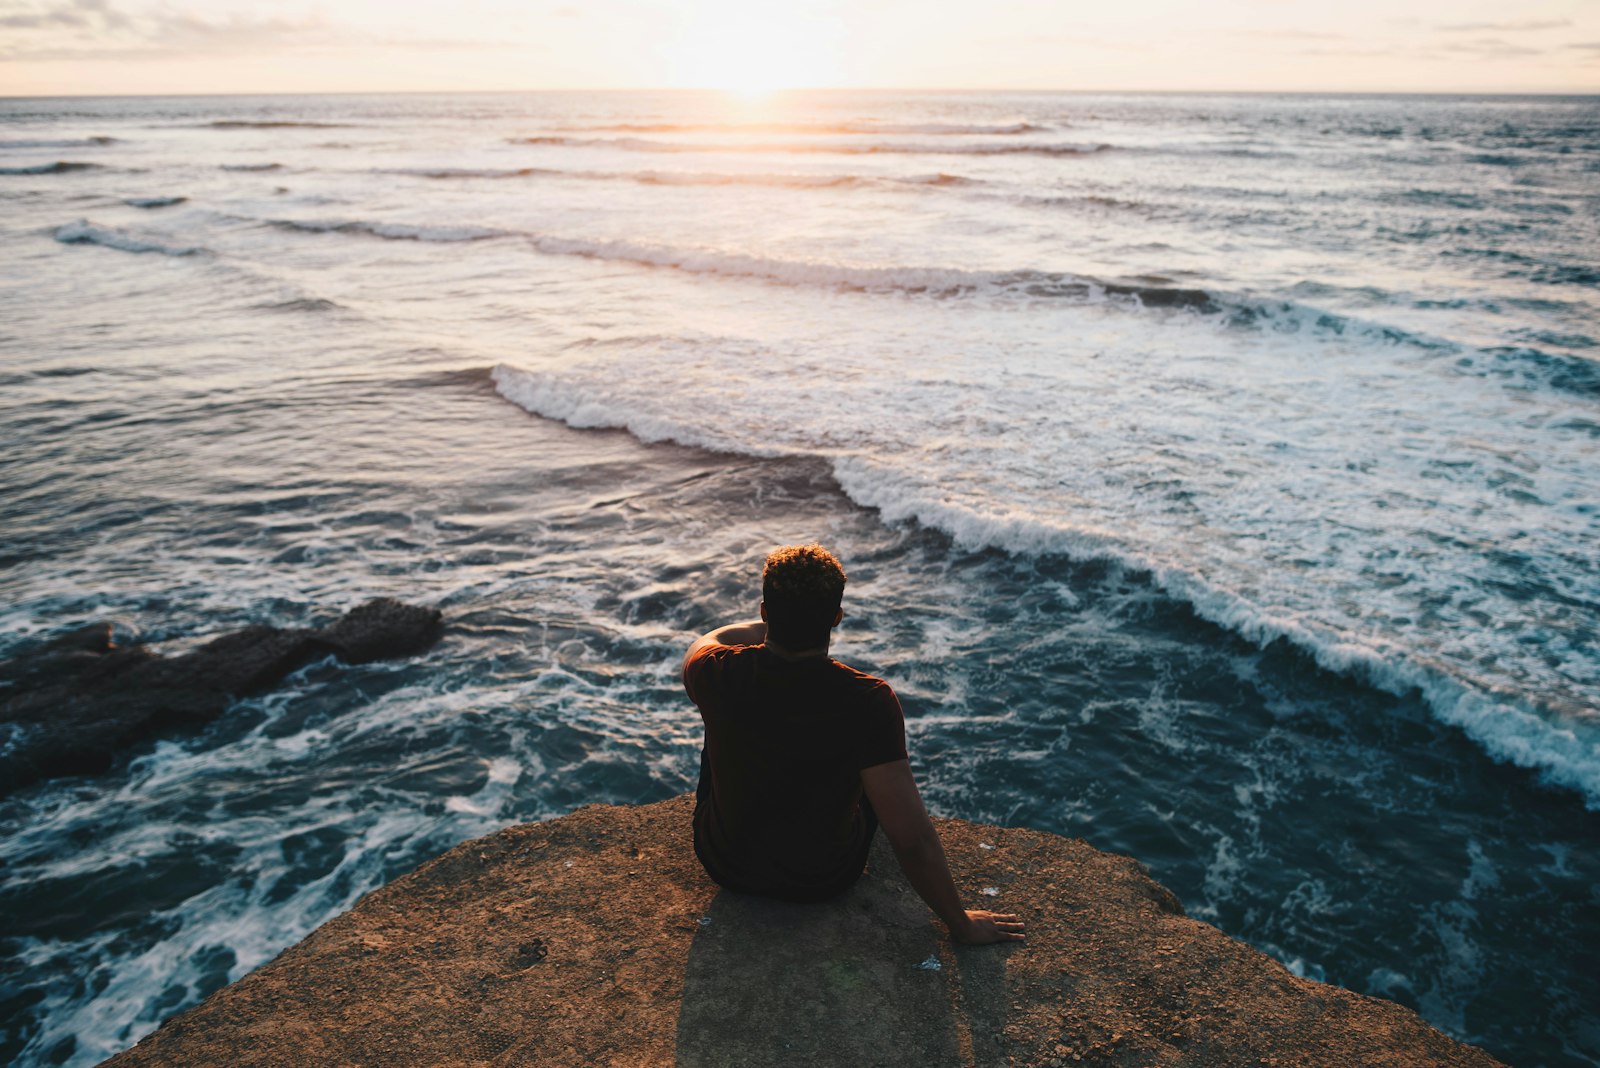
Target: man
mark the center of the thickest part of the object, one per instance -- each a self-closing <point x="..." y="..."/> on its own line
<point x="805" y="757"/>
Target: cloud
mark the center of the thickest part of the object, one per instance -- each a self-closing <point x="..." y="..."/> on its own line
<point x="1518" y="26"/>
<point x="94" y="29"/>
<point x="42" y="20"/>
<point x="1591" y="45"/>
<point x="1348" y="52"/>
<point x="1490" y="48"/>
<point x="1297" y="35"/>
<point x="72" y="14"/>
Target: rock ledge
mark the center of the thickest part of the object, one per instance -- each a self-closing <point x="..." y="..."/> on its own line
<point x="595" y="939"/>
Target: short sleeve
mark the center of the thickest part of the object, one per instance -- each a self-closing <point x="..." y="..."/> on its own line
<point x="696" y="668"/>
<point x="882" y="737"/>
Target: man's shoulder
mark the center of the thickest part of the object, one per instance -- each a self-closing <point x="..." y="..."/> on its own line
<point x="716" y="654"/>
<point x="840" y="665"/>
<point x="718" y="650"/>
<point x="860" y="680"/>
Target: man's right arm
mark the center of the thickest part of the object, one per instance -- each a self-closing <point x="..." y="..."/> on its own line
<point x="750" y="632"/>
<point x="898" y="804"/>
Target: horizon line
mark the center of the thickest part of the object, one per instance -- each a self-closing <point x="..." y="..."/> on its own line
<point x="800" y="90"/>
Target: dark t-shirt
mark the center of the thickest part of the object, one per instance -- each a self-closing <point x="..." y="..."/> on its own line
<point x="780" y="810"/>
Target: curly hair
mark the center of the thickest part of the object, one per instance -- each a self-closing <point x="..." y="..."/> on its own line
<point x="802" y="587"/>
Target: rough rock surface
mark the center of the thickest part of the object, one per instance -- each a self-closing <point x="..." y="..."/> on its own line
<point x="595" y="939"/>
<point x="72" y="704"/>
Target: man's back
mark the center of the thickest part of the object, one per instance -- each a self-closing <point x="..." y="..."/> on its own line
<point x="805" y="757"/>
<point x="780" y="809"/>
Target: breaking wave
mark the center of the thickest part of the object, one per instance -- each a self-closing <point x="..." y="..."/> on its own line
<point x="697" y="178"/>
<point x="391" y="231"/>
<point x="303" y="304"/>
<point x="58" y="167"/>
<point x="1565" y="373"/>
<point x="849" y="148"/>
<point x="823" y="128"/>
<point x="154" y="202"/>
<point x="71" y="142"/>
<point x="84" y="232"/>
<point x="1507" y="731"/>
<point x="270" y="124"/>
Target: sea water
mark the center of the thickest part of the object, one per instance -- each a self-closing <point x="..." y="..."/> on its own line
<point x="1218" y="479"/>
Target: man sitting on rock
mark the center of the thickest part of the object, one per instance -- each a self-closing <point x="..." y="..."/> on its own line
<point x="805" y="757"/>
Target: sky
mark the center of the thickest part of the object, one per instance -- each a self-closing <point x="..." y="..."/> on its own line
<point x="70" y="47"/>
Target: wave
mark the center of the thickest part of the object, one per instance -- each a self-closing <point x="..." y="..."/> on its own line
<point x="58" y="167"/>
<point x="303" y="304"/>
<point x="154" y="202"/>
<point x="1570" y="374"/>
<point x="1534" y="269"/>
<point x="693" y="178"/>
<point x="849" y="148"/>
<point x="84" y="232"/>
<point x="1501" y="726"/>
<point x="1094" y="202"/>
<point x="823" y="128"/>
<point x="270" y="124"/>
<point x="390" y="231"/>
<point x="1498" y="159"/>
<point x="1565" y="373"/>
<point x="71" y="142"/>
<point x="931" y="281"/>
<point x="252" y="166"/>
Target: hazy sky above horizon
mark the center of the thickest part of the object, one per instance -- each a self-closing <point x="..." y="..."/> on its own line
<point x="230" y="46"/>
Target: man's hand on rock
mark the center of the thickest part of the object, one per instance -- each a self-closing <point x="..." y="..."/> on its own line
<point x="983" y="927"/>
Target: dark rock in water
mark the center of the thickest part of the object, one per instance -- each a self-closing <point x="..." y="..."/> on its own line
<point x="72" y="704"/>
<point x="596" y="939"/>
<point x="382" y="629"/>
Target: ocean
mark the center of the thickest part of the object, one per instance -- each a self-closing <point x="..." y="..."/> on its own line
<point x="1218" y="478"/>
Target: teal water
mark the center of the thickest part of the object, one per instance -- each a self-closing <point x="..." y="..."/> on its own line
<point x="1223" y="497"/>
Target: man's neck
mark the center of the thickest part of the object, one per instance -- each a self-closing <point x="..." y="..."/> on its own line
<point x="795" y="654"/>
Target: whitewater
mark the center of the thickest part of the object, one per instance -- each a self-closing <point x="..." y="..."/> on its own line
<point x="1236" y="458"/>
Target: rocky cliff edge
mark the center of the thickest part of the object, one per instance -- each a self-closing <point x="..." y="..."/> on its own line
<point x="595" y="939"/>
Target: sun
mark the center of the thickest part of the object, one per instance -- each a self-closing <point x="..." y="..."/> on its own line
<point x="752" y="50"/>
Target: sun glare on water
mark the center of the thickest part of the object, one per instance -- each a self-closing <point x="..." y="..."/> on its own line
<point x="750" y="50"/>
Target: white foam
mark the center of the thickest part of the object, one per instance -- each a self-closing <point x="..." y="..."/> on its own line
<point x="504" y="770"/>
<point x="1020" y="284"/>
<point x="1385" y="982"/>
<point x="1223" y="871"/>
<point x="143" y="814"/>
<point x="84" y="232"/>
<point x="1019" y="446"/>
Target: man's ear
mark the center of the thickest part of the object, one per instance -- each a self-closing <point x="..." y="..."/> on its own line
<point x="837" y="616"/>
<point x="764" y="611"/>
